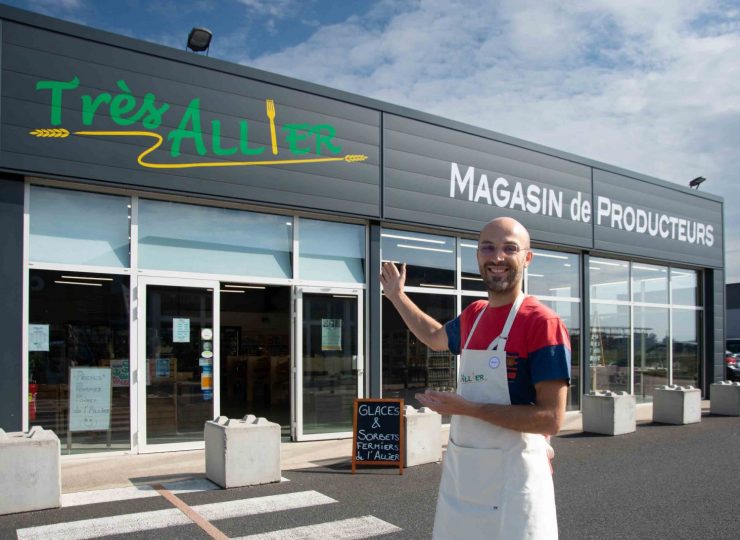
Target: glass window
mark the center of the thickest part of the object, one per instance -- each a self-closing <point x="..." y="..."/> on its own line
<point x="649" y="283"/>
<point x="470" y="271"/>
<point x="609" y="279"/>
<point x="430" y="259"/>
<point x="684" y="287"/>
<point x="686" y="332"/>
<point x="409" y="366"/>
<point x="570" y="313"/>
<point x="189" y="238"/>
<point x="609" y="340"/>
<point x="651" y="350"/>
<point x="74" y="227"/>
<point x="75" y="321"/>
<point x="553" y="274"/>
<point x="332" y="251"/>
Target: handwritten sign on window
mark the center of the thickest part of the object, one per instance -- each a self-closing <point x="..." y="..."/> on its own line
<point x="89" y="399"/>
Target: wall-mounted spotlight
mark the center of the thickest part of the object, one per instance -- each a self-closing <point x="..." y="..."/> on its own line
<point x="696" y="182"/>
<point x="199" y="39"/>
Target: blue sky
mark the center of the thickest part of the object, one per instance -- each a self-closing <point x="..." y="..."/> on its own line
<point x="648" y="85"/>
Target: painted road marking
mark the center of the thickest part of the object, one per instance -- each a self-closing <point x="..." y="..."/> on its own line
<point x="142" y="521"/>
<point x="346" y="529"/>
<point x="194" y="516"/>
<point x="190" y="485"/>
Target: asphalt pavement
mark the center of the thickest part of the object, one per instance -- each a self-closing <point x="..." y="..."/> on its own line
<point x="672" y="482"/>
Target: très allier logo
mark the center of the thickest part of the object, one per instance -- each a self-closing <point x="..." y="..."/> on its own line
<point x="125" y="109"/>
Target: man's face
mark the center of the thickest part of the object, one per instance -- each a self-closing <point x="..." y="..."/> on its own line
<point x="503" y="253"/>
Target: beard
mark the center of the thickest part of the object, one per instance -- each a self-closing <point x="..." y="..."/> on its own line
<point x="504" y="282"/>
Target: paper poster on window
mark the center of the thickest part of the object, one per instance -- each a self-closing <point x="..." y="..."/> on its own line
<point x="119" y="372"/>
<point x="181" y="330"/>
<point x="38" y="337"/>
<point x="89" y="399"/>
<point x="331" y="334"/>
<point x="163" y="368"/>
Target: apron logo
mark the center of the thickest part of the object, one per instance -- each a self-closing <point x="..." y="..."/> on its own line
<point x="473" y="378"/>
<point x="494" y="362"/>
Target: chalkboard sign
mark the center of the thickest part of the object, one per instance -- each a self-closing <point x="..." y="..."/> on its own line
<point x="378" y="433"/>
<point x="89" y="399"/>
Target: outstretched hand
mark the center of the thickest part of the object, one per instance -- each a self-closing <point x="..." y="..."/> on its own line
<point x="392" y="279"/>
<point x="444" y="402"/>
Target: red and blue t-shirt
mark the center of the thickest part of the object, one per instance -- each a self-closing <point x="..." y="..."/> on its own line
<point x="538" y="347"/>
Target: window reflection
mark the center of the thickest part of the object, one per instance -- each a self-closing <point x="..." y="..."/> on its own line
<point x="553" y="274"/>
<point x="470" y="279"/>
<point x="609" y="279"/>
<point x="569" y="312"/>
<point x="685" y="287"/>
<point x="78" y="320"/>
<point x="409" y="366"/>
<point x="430" y="259"/>
<point x="649" y="283"/>
<point x="332" y="251"/>
<point x="651" y="351"/>
<point x="686" y="331"/>
<point x="609" y="340"/>
<point x="191" y="238"/>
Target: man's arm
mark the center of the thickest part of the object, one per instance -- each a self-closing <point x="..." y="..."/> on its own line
<point x="424" y="327"/>
<point x="544" y="417"/>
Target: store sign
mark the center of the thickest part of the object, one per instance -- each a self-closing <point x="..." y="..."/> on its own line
<point x="144" y="117"/>
<point x="628" y="218"/>
<point x="516" y="195"/>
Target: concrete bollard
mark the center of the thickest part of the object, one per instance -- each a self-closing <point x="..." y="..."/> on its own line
<point x="725" y="398"/>
<point x="30" y="471"/>
<point x="677" y="405"/>
<point x="422" y="436"/>
<point x="609" y="413"/>
<point x="242" y="452"/>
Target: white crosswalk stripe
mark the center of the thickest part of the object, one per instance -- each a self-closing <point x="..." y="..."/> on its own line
<point x="130" y="523"/>
<point x="190" y="485"/>
<point x="345" y="529"/>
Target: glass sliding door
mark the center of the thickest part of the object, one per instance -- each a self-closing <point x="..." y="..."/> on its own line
<point x="329" y="361"/>
<point x="255" y="351"/>
<point x="178" y="361"/>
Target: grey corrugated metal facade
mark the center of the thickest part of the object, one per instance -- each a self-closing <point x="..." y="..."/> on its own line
<point x="365" y="160"/>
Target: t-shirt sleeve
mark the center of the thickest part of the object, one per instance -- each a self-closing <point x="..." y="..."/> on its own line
<point x="550" y="355"/>
<point x="452" y="328"/>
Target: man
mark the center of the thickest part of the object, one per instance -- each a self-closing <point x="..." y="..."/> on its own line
<point x="512" y="389"/>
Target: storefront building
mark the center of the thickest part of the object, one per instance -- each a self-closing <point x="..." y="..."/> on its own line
<point x="185" y="238"/>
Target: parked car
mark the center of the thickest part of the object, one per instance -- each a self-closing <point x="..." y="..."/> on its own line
<point x="732" y="366"/>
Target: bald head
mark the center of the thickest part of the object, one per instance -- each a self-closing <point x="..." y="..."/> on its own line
<point x="505" y="227"/>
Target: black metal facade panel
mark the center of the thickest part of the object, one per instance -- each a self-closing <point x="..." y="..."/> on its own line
<point x="445" y="178"/>
<point x="673" y="226"/>
<point x="11" y="303"/>
<point x="214" y="127"/>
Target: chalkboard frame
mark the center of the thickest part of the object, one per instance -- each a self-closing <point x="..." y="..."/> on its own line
<point x="401" y="434"/>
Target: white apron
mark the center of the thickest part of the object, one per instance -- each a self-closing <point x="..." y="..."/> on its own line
<point x="496" y="482"/>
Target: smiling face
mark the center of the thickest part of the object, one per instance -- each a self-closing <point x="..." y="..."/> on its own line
<point x="503" y="253"/>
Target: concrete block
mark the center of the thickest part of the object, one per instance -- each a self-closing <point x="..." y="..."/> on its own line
<point x="422" y="436"/>
<point x="677" y="405"/>
<point x="242" y="452"/>
<point x="725" y="398"/>
<point x="609" y="413"/>
<point x="30" y="471"/>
